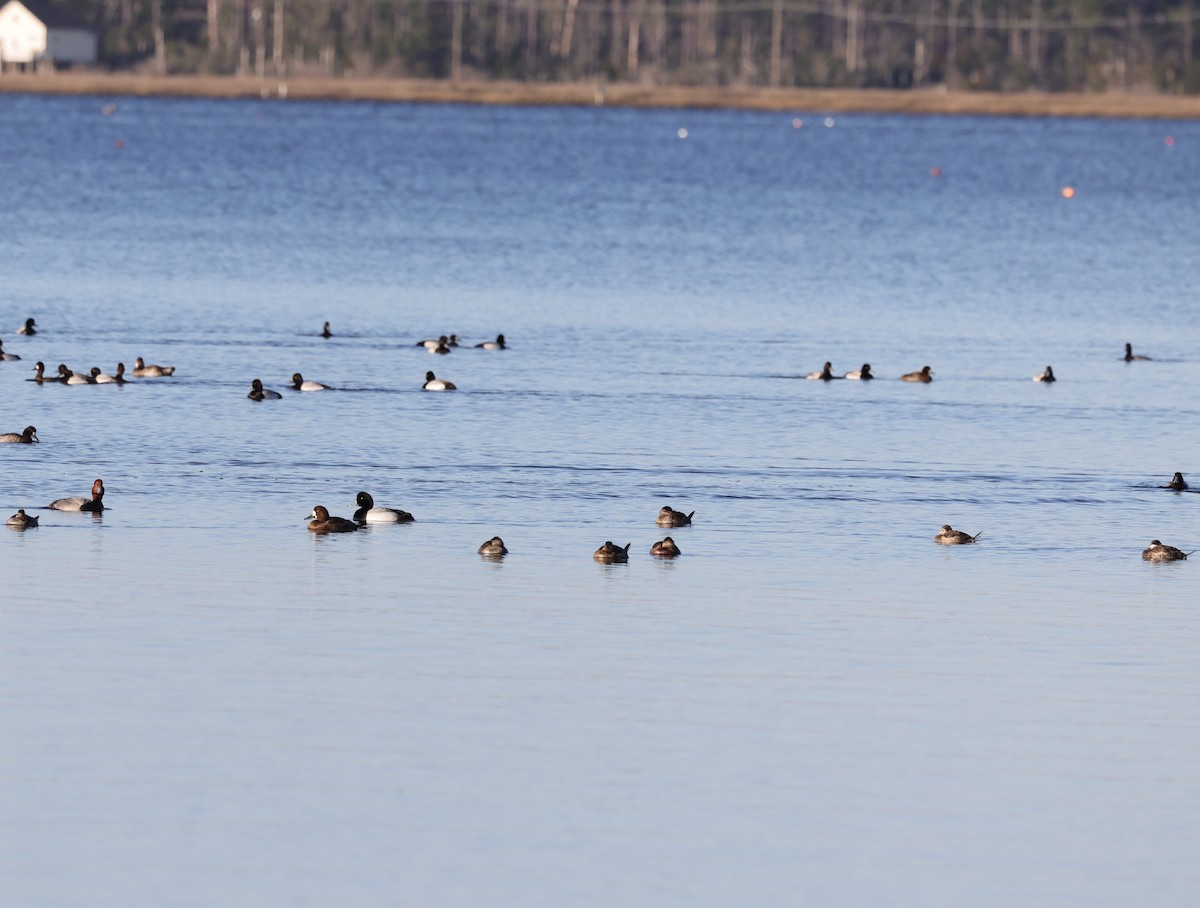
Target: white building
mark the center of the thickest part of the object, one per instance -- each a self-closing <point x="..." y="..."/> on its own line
<point x="37" y="34"/>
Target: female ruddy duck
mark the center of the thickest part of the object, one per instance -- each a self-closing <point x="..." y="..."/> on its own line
<point x="1047" y="376"/>
<point x="433" y="383"/>
<point x="949" y="536"/>
<point x="1177" y="483"/>
<point x="28" y="437"/>
<point x="925" y="375"/>
<point x="21" y="520"/>
<point x="1130" y="356"/>
<point x="368" y="513"/>
<point x="493" y="548"/>
<point x="94" y="504"/>
<point x="321" y="522"/>
<point x="863" y="374"/>
<point x="299" y="384"/>
<point x="826" y="374"/>
<point x="497" y="344"/>
<point x="141" y="370"/>
<point x="665" y="549"/>
<point x="612" y="554"/>
<point x="258" y="392"/>
<point x="669" y="517"/>
<point x="1159" y="552"/>
<point x="7" y="357"/>
<point x="30" y="327"/>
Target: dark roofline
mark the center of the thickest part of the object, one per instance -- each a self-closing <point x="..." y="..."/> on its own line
<point x="54" y="16"/>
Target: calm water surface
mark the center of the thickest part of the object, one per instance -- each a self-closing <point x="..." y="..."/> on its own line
<point x="203" y="704"/>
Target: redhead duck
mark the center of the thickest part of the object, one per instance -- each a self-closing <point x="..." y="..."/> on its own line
<point x="321" y="522"/>
<point x="493" y="548"/>
<point x="258" y="392"/>
<point x="669" y="517"/>
<point x="325" y="332"/>
<point x="1177" y="483"/>
<point x="1159" y="552"/>
<point x="826" y="374"/>
<point x="368" y="513"/>
<point x="612" y="554"/>
<point x="299" y="384"/>
<point x="949" y="536"/>
<point x="29" y="328"/>
<point x="7" y="357"/>
<point x="434" y="344"/>
<point x="40" y="377"/>
<point x="1130" y="356"/>
<point x="141" y="370"/>
<point x="1047" y="376"/>
<point x="21" y="520"/>
<point x="925" y="375"/>
<point x="863" y="374"/>
<point x="103" y="378"/>
<point x="95" y="503"/>
<point x="665" y="549"/>
<point x="497" y="344"/>
<point x="28" y="437"/>
<point x="433" y="383"/>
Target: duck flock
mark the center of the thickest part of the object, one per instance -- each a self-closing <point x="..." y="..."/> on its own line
<point x="322" y="522"/>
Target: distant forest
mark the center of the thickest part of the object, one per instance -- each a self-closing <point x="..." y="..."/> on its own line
<point x="1005" y="45"/>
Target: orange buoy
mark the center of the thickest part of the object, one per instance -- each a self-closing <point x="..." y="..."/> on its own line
<point x="1067" y="192"/>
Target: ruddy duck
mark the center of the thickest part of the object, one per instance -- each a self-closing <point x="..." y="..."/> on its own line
<point x="669" y="517"/>
<point x="321" y="522"/>
<point x="1159" y="552"/>
<point x="258" y="392"/>
<point x="28" y="437"/>
<point x="93" y="504"/>
<point x="949" y="536"/>
<point x="21" y="520"/>
<point x="368" y="513"/>
<point x="433" y="383"/>
<point x="925" y="375"/>
<point x="612" y="554"/>
<point x="493" y="548"/>
<point x="665" y="549"/>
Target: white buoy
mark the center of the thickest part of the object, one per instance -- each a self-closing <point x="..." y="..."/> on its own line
<point x="682" y="133"/>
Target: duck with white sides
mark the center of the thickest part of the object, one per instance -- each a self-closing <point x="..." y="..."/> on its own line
<point x="497" y="344"/>
<point x="433" y="383"/>
<point x="7" y="357"/>
<point x="863" y="374"/>
<point x="29" y="328"/>
<point x="1046" y="377"/>
<point x="368" y="513"/>
<point x="299" y="384"/>
<point x="826" y="374"/>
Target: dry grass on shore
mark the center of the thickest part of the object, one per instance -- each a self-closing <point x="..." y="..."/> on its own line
<point x="588" y="94"/>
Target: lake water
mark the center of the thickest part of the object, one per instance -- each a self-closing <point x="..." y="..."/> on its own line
<point x="203" y="704"/>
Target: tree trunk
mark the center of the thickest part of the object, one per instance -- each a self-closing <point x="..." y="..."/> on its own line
<point x="776" y="42"/>
<point x="277" y="35"/>
<point x="456" y="27"/>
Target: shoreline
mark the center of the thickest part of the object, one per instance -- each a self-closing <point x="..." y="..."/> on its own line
<point x="577" y="94"/>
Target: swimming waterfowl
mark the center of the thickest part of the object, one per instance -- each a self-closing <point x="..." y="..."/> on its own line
<point x="612" y="554"/>
<point x="493" y="548"/>
<point x="432" y="383"/>
<point x="666" y="548"/>
<point x="95" y="503"/>
<point x="453" y="341"/>
<point x="30" y="327"/>
<point x="28" y="437"/>
<point x="1130" y="356"/>
<point x="497" y="344"/>
<point x="368" y="513"/>
<point x="949" y="536"/>
<point x="21" y="520"/>
<point x="1177" y="483"/>
<point x="64" y="374"/>
<point x="433" y="344"/>
<point x="321" y="522"/>
<point x="79" y="378"/>
<point x="299" y="384"/>
<point x="141" y="370"/>
<point x="669" y="517"/>
<point x="1047" y="376"/>
<point x="7" y="357"/>
<point x="925" y="375"/>
<point x="863" y="374"/>
<point x="103" y="378"/>
<point x="325" y="332"/>
<point x="258" y="392"/>
<point x="826" y="374"/>
<point x="1159" y="552"/>
<point x="440" y="349"/>
<point x="40" y="377"/>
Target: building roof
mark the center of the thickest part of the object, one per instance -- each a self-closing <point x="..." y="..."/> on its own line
<point x="55" y="16"/>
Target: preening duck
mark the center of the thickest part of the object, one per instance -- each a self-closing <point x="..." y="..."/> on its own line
<point x="669" y="517"/>
<point x="493" y="548"/>
<point x="665" y="548"/>
<point x="612" y="554"/>
<point x="21" y="520"/>
<point x="1159" y="552"/>
<point x="141" y="370"/>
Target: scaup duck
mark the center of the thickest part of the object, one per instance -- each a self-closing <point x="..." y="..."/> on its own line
<point x="321" y="522"/>
<point x="949" y="536"/>
<point x="325" y="332"/>
<point x="493" y="548"/>
<point x="28" y="437"/>
<point x="29" y="328"/>
<point x="1047" y="376"/>
<point x="826" y="374"/>
<point x="433" y="344"/>
<point x="103" y="378"/>
<point x="612" y="554"/>
<point x="258" y="392"/>
<point x="1130" y="356"/>
<point x="299" y="384"/>
<point x="21" y="520"/>
<point x="433" y="383"/>
<point x="95" y="503"/>
<point x="141" y="370"/>
<point x="1159" y="552"/>
<point x="666" y="548"/>
<point x="78" y="378"/>
<point x="368" y="513"/>
<point x="497" y="344"/>
<point x="7" y="357"/>
<point x="925" y="375"/>
<point x="40" y="377"/>
<point x="863" y="374"/>
<point x="1177" y="483"/>
<point x="669" y="517"/>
